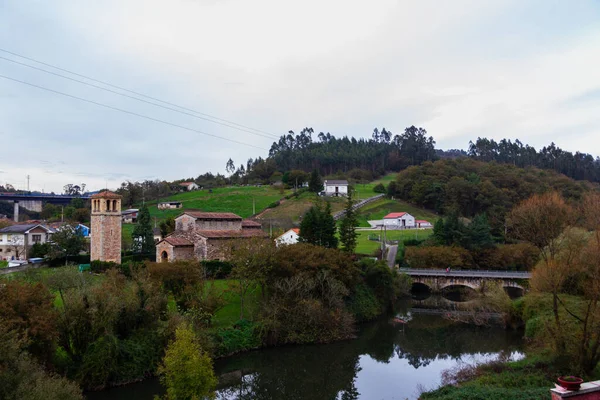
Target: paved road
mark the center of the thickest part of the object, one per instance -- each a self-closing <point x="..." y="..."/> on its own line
<point x="391" y="255"/>
<point x="467" y="273"/>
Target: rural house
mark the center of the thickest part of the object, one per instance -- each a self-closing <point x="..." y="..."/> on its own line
<point x="15" y="240"/>
<point x="189" y="186"/>
<point x="336" y="188"/>
<point x="289" y="237"/>
<point x="129" y="216"/>
<point x="200" y="235"/>
<point x="399" y="220"/>
<point x="169" y="205"/>
<point x="421" y="223"/>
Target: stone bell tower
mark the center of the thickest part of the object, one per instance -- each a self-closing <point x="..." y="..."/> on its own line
<point x="106" y="227"/>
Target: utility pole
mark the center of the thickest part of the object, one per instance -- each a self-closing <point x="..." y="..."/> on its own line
<point x="28" y="182"/>
<point x="253" y="207"/>
<point x="62" y="213"/>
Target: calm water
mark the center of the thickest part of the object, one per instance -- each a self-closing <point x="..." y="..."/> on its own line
<point x="387" y="361"/>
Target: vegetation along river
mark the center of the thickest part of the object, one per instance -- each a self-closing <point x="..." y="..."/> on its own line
<point x="388" y="360"/>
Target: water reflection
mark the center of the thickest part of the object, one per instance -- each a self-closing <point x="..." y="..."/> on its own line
<point x="388" y="360"/>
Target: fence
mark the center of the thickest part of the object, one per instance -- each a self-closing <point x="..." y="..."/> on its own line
<point x="358" y="205"/>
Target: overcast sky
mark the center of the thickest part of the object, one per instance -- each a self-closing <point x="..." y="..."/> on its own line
<point x="460" y="69"/>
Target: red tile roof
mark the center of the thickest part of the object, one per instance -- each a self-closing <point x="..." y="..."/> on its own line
<point x="185" y="183"/>
<point x="107" y="194"/>
<point x="178" y="241"/>
<point x="394" y="215"/>
<point x="297" y="230"/>
<point x="247" y="223"/>
<point x="212" y="215"/>
<point x="231" y="234"/>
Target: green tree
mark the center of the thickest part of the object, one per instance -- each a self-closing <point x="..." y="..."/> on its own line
<point x="186" y="370"/>
<point x="379" y="188"/>
<point x="315" y="184"/>
<point x="480" y="233"/>
<point x="167" y="226"/>
<point x="143" y="238"/>
<point x="391" y="189"/>
<point x="318" y="227"/>
<point x="67" y="242"/>
<point x="348" y="227"/>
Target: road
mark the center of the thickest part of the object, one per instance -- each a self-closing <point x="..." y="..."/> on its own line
<point x="392" y="250"/>
<point x="467" y="273"/>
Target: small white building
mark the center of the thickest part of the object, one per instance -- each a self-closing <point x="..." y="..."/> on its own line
<point x="336" y="187"/>
<point x="289" y="237"/>
<point x="189" y="186"/>
<point x="421" y="223"/>
<point x="399" y="220"/>
<point x="129" y="216"/>
<point x="169" y="205"/>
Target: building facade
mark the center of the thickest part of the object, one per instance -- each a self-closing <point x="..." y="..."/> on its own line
<point x="202" y="235"/>
<point x="289" y="237"/>
<point x="106" y="227"/>
<point x="399" y="220"/>
<point x="16" y="240"/>
<point x="335" y="188"/>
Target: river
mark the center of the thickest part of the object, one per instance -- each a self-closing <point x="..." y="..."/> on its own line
<point x="388" y="360"/>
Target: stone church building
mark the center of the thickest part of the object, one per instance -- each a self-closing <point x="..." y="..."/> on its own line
<point x="200" y="235"/>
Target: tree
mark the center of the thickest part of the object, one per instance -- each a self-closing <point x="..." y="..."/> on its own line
<point x="318" y="227"/>
<point x="142" y="236"/>
<point x="16" y="246"/>
<point x="252" y="260"/>
<point x="348" y="227"/>
<point x="167" y="226"/>
<point x="315" y="184"/>
<point x="186" y="370"/>
<point x="68" y="241"/>
<point x="230" y="166"/>
<point x="379" y="188"/>
<point x="391" y="189"/>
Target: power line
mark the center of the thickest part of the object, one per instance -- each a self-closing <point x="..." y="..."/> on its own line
<point x="127" y="111"/>
<point x="136" y="93"/>
<point x="134" y="98"/>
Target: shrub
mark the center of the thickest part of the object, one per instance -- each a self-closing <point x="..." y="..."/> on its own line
<point x="435" y="257"/>
<point x="379" y="188"/>
<point x="274" y="204"/>
<point x="363" y="303"/>
<point x="243" y="335"/>
<point x="98" y="266"/>
<point x="413" y="242"/>
<point x="217" y="269"/>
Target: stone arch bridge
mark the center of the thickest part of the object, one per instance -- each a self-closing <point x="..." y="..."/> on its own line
<point x="438" y="279"/>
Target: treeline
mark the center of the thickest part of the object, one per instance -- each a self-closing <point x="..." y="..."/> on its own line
<point x="580" y="166"/>
<point x="469" y="187"/>
<point x="328" y="154"/>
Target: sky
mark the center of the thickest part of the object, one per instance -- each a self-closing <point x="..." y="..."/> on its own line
<point x="460" y="69"/>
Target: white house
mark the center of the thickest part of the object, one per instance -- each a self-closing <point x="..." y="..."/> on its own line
<point x="399" y="220"/>
<point x="336" y="188"/>
<point x="15" y="240"/>
<point x="170" y="205"/>
<point x="129" y="216"/>
<point x="421" y="223"/>
<point x="189" y="186"/>
<point x="289" y="237"/>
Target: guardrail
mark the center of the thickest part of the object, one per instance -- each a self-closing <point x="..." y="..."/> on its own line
<point x="357" y="205"/>
<point x="467" y="273"/>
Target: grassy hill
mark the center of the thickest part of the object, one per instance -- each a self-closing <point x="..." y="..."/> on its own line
<point x="366" y="246"/>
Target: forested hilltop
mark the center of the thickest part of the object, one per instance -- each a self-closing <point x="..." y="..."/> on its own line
<point x="469" y="187"/>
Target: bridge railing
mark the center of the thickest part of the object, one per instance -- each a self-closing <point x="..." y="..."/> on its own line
<point x="475" y="273"/>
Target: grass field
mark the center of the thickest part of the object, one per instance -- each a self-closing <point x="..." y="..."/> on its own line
<point x="364" y="191"/>
<point x="366" y="246"/>
<point x="295" y="207"/>
<point x="379" y="209"/>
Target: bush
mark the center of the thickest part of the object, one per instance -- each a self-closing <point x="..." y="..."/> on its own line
<point x="61" y="261"/>
<point x="274" y="204"/>
<point x="98" y="266"/>
<point x="436" y="257"/>
<point x="379" y="188"/>
<point x="243" y="335"/>
<point x="217" y="269"/>
<point x="363" y="303"/>
<point x="39" y="250"/>
<point x="413" y="242"/>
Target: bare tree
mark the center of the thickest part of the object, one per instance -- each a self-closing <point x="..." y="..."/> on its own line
<point x="17" y="247"/>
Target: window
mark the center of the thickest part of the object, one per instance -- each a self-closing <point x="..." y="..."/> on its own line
<point x="36" y="238"/>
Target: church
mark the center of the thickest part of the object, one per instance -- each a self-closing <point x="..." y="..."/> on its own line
<point x="200" y="235"/>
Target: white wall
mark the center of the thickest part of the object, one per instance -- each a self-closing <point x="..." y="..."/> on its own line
<point x="290" y="237"/>
<point x="408" y="219"/>
<point x="341" y="189"/>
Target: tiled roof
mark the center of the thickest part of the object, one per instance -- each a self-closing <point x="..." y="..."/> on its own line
<point x="231" y="234"/>
<point x="186" y="183"/>
<point x="394" y="215"/>
<point x="107" y="194"/>
<point x="213" y="215"/>
<point x="247" y="223"/>
<point x="296" y="230"/>
<point x="336" y="182"/>
<point x="177" y="241"/>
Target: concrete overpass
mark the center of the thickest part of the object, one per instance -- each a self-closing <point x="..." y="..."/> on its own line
<point x="35" y="202"/>
<point x="438" y="279"/>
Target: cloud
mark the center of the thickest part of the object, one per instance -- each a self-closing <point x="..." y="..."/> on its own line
<point x="460" y="69"/>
